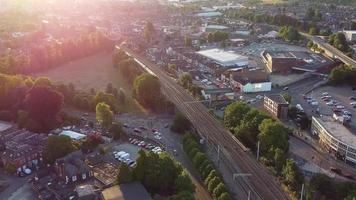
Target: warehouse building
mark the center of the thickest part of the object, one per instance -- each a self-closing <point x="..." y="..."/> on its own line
<point x="226" y="59"/>
<point x="335" y="138"/>
<point x="276" y="105"/>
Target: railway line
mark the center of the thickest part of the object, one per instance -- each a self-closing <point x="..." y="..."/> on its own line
<point x="262" y="184"/>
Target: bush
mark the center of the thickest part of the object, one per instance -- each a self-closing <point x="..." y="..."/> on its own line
<point x="220" y="188"/>
<point x="224" y="196"/>
<point x="199" y="159"/>
<point x="180" y="123"/>
<point x="213" y="183"/>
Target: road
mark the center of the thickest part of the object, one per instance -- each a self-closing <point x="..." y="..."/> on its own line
<point x="327" y="47"/>
<point x="262" y="184"/>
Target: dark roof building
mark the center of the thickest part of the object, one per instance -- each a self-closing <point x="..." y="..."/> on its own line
<point x="127" y="191"/>
<point x="72" y="167"/>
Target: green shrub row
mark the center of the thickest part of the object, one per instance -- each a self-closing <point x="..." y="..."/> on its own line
<point x="211" y="178"/>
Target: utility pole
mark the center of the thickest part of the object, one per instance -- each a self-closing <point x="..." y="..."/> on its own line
<point x="218" y="156"/>
<point x="301" y="193"/>
<point x="258" y="150"/>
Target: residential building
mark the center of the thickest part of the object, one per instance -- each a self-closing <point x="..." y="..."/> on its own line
<point x="126" y="191"/>
<point x="22" y="149"/>
<point x="335" y="138"/>
<point x="248" y="81"/>
<point x="350" y="35"/>
<point x="276" y="105"/>
<point x="72" y="167"/>
<point x="86" y="192"/>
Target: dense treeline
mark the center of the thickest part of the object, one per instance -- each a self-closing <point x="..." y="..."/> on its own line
<point x="209" y="175"/>
<point x="252" y="126"/>
<point x="161" y="176"/>
<point x="126" y="65"/>
<point x="289" y="33"/>
<point x="36" y="104"/>
<point x="278" y="19"/>
<point x="343" y="74"/>
<point x="52" y="53"/>
<point x="324" y="187"/>
<point x="338" y="40"/>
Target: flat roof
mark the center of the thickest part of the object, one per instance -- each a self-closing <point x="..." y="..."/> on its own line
<point x="73" y="135"/>
<point x="223" y="57"/>
<point x="4" y="126"/>
<point x="350" y="31"/>
<point x="277" y="98"/>
<point x="337" y="130"/>
<point x="221" y="27"/>
<point x="209" y="14"/>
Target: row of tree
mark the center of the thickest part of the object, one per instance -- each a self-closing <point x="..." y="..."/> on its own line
<point x="160" y="175"/>
<point x="211" y="178"/>
<point x="289" y="34"/>
<point x="252" y="126"/>
<point x="53" y="53"/>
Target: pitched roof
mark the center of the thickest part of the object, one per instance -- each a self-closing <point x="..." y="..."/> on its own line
<point x="127" y="191"/>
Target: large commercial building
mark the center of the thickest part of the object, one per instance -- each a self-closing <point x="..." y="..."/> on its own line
<point x="350" y="35"/>
<point x="286" y="61"/>
<point x="276" y="105"/>
<point x="335" y="138"/>
<point x="225" y="59"/>
<point x="247" y="81"/>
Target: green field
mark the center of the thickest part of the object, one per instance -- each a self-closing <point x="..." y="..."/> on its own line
<point x="92" y="72"/>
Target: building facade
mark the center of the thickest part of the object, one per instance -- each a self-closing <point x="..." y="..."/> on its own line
<point x="350" y="35"/>
<point x="336" y="139"/>
<point x="276" y="105"/>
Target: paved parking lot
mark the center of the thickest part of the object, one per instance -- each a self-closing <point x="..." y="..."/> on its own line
<point x="337" y="94"/>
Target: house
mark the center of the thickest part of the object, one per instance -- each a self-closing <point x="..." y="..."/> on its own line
<point x="73" y="135"/>
<point x="86" y="192"/>
<point x="350" y="35"/>
<point x="22" y="149"/>
<point x="126" y="191"/>
<point x="276" y="105"/>
<point x="248" y="81"/>
<point x="72" y="167"/>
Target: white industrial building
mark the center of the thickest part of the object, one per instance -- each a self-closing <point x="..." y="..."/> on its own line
<point x="212" y="27"/>
<point x="350" y="35"/>
<point x="73" y="135"/>
<point x="223" y="58"/>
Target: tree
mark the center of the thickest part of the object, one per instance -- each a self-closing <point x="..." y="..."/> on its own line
<point x="104" y="115"/>
<point x="184" y="183"/>
<point x="292" y="176"/>
<point x="43" y="81"/>
<point x="148" y="31"/>
<point x="279" y="159"/>
<point x="313" y="31"/>
<point x="182" y="196"/>
<point x="185" y="80"/>
<point x="188" y="41"/>
<point x="289" y="33"/>
<point x="43" y="105"/>
<point x="224" y="196"/>
<point x="57" y="147"/>
<point x="343" y="74"/>
<point x="116" y="130"/>
<point x="219" y="189"/>
<point x="287" y="97"/>
<point x="272" y="133"/>
<point x="234" y="114"/>
<point x="198" y="159"/>
<point x="147" y="90"/>
<point x="125" y="174"/>
<point x="180" y="123"/>
<point x="109" y="88"/>
<point x="213" y="183"/>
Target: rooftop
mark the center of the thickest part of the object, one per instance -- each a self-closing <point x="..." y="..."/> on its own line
<point x="224" y="57"/>
<point x="220" y="27"/>
<point x="4" y="126"/>
<point x="127" y="191"/>
<point x="250" y="76"/>
<point x="350" y="31"/>
<point x="73" y="135"/>
<point x="209" y="14"/>
<point x="277" y="98"/>
<point x="338" y="131"/>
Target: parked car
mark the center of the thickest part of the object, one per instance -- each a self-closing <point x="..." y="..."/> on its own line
<point x="285" y="88"/>
<point x="325" y="94"/>
<point x="137" y="130"/>
<point x="336" y="170"/>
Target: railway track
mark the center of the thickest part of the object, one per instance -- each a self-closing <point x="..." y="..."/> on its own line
<point x="261" y="184"/>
